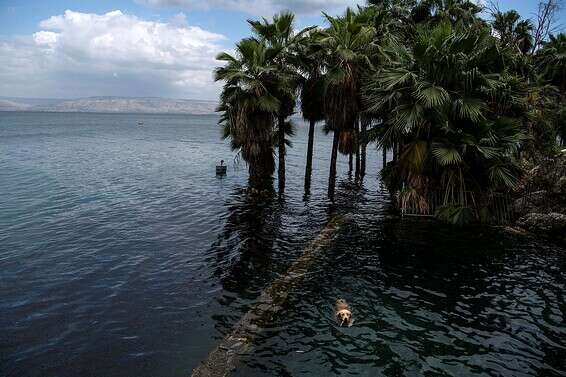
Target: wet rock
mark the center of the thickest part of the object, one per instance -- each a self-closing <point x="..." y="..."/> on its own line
<point x="516" y="231"/>
<point x="551" y="224"/>
<point x="560" y="186"/>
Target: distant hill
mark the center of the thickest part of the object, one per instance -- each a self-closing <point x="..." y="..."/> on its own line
<point x="110" y="105"/>
<point x="6" y="105"/>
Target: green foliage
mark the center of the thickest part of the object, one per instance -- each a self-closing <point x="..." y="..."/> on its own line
<point x="309" y="56"/>
<point x="450" y="90"/>
<point x="460" y="98"/>
<point x="247" y="104"/>
<point x="455" y="215"/>
<point x="551" y="61"/>
<point x="260" y="87"/>
<point x="347" y="45"/>
<point x="513" y="32"/>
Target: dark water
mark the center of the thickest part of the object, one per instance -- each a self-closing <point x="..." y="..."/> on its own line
<point x="121" y="254"/>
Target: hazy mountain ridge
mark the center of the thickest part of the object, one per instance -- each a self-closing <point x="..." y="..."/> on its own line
<point x="7" y="105"/>
<point x="111" y="105"/>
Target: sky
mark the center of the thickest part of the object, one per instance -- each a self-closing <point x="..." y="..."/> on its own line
<point x="149" y="48"/>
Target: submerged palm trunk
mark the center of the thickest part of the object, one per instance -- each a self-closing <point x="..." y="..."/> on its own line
<point x="281" y="142"/>
<point x="364" y="150"/>
<point x="257" y="151"/>
<point x="358" y="164"/>
<point x="333" y="157"/>
<point x="308" y="169"/>
<point x="357" y="146"/>
<point x="260" y="176"/>
<point x="261" y="169"/>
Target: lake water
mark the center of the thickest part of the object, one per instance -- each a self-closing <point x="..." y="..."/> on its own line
<point x="121" y="254"/>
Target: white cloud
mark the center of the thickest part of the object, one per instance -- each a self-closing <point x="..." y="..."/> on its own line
<point x="259" y="7"/>
<point x="46" y="38"/>
<point x="78" y="54"/>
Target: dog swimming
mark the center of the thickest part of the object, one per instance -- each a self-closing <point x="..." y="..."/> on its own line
<point x="343" y="313"/>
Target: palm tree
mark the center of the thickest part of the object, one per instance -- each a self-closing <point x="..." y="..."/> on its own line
<point x="512" y="31"/>
<point x="280" y="36"/>
<point x="247" y="103"/>
<point x="454" y="113"/>
<point x="552" y="60"/>
<point x="551" y="63"/>
<point x="309" y="63"/>
<point x="457" y="12"/>
<point x="347" y="42"/>
<point x="365" y="122"/>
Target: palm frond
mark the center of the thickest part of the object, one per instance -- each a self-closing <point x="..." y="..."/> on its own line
<point x="446" y="155"/>
<point x="470" y="108"/>
<point x="431" y="95"/>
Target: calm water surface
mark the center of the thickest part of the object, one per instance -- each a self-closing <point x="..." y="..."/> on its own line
<point x="121" y="254"/>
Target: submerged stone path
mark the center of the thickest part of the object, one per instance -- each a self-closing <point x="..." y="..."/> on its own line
<point x="222" y="360"/>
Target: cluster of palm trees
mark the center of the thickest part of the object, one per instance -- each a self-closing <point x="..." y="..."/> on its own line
<point x="457" y="99"/>
<point x="276" y="67"/>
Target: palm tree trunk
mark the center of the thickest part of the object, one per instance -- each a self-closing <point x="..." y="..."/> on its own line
<point x="259" y="176"/>
<point x="308" y="168"/>
<point x="357" y="174"/>
<point x="333" y="157"/>
<point x="357" y="146"/>
<point x="259" y="153"/>
<point x="281" y="142"/>
<point x="350" y="164"/>
<point x="384" y="151"/>
<point x="395" y="152"/>
<point x="364" y="150"/>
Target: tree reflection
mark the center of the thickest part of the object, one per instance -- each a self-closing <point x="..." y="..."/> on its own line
<point x="242" y="254"/>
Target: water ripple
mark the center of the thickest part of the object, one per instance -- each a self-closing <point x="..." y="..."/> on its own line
<point x="122" y="254"/>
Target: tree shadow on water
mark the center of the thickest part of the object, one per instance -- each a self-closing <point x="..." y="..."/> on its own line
<point x="256" y="245"/>
<point x="242" y="254"/>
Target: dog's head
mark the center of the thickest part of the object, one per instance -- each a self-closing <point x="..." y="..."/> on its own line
<point x="344" y="316"/>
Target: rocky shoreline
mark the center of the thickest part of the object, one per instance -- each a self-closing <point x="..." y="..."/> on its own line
<point x="543" y="212"/>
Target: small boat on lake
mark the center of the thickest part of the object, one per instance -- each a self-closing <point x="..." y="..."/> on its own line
<point x="221" y="169"/>
<point x="140" y="123"/>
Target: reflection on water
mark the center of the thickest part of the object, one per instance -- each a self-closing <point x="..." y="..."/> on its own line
<point x="123" y="255"/>
<point x="246" y="244"/>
